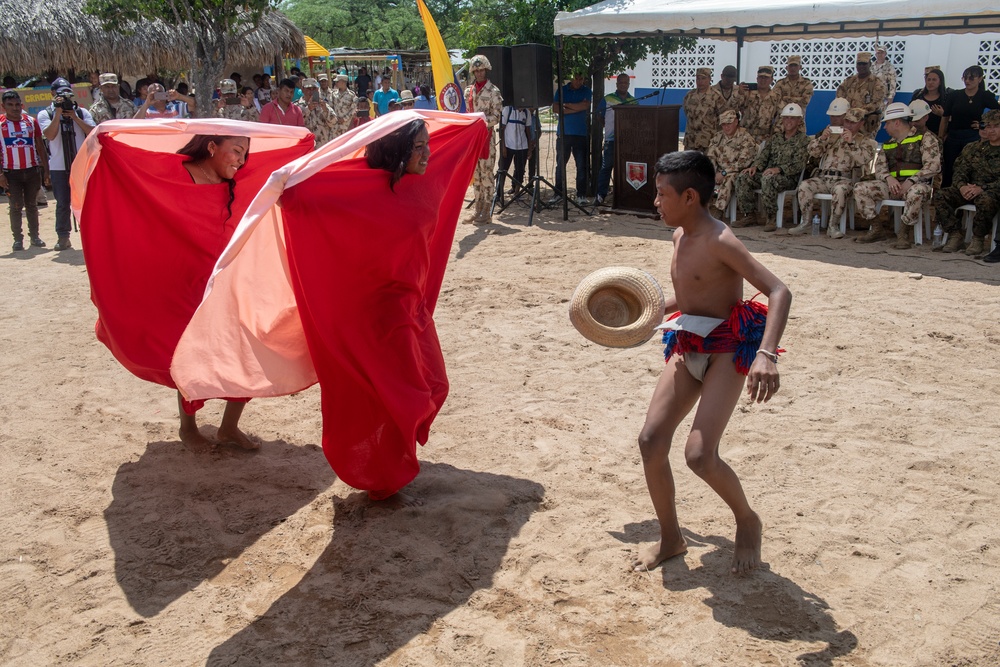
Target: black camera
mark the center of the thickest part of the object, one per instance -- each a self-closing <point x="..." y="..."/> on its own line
<point x="752" y="86"/>
<point x="67" y="104"/>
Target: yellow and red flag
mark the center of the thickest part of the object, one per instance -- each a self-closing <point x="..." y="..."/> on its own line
<point x="449" y="94"/>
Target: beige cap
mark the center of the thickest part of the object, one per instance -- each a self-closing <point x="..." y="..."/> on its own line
<point x="794" y="60"/>
<point x="728" y="116"/>
<point x="880" y="47"/>
<point x="792" y="110"/>
<point x="310" y="83"/>
<point x="341" y="77"/>
<point x="765" y="69"/>
<point x="322" y="76"/>
<point x="838" y="107"/>
<point x="227" y="86"/>
<point x="864" y="57"/>
<point x="919" y="109"/>
<point x="704" y="71"/>
<point x="108" y="79"/>
<point x="855" y="115"/>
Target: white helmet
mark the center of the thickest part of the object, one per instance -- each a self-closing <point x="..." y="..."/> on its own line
<point x="792" y="110"/>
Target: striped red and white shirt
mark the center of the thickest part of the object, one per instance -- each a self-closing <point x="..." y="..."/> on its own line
<point x="21" y="142"/>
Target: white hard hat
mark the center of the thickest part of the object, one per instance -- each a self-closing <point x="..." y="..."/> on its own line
<point x="792" y="110"/>
<point x="919" y="109"/>
<point x="838" y="107"/>
<point x="897" y="110"/>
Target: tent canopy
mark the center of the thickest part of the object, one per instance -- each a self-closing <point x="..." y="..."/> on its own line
<point x="778" y="19"/>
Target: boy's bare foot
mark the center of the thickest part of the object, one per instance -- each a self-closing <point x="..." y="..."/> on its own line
<point x="746" y="556"/>
<point x="238" y="438"/>
<point x="192" y="436"/>
<point x="655" y="554"/>
<point x="398" y="500"/>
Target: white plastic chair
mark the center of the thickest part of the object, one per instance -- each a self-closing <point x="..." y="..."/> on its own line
<point x="923" y="219"/>
<point x="825" y="203"/>
<point x="968" y="213"/>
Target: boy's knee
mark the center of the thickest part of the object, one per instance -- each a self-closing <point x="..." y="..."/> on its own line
<point x="700" y="460"/>
<point x="651" y="446"/>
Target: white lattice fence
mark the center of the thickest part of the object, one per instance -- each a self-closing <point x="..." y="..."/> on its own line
<point x="828" y="62"/>
<point x="677" y="69"/>
<point x="989" y="60"/>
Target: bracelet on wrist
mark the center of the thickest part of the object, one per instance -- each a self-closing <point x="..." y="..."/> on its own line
<point x="769" y="355"/>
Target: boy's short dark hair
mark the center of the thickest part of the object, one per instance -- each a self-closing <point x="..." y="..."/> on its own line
<point x="287" y="83"/>
<point x="688" y="169"/>
<point x="10" y="95"/>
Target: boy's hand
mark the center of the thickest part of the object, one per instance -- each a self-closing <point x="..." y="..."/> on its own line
<point x="762" y="380"/>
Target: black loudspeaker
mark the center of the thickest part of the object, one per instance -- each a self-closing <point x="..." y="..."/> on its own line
<point x="501" y="72"/>
<point x="533" y="84"/>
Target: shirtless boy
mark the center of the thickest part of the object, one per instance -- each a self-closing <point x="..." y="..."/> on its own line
<point x="708" y="269"/>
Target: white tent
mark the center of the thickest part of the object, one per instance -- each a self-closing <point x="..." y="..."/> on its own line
<point x="778" y="19"/>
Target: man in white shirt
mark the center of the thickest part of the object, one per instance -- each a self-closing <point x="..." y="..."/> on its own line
<point x="516" y="146"/>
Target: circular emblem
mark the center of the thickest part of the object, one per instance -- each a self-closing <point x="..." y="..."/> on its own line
<point x="450" y="97"/>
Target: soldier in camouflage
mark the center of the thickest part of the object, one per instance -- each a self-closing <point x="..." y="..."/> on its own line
<point x="864" y="91"/>
<point x="886" y="71"/>
<point x="483" y="97"/>
<point x="976" y="181"/>
<point x="840" y="155"/>
<point x="904" y="169"/>
<point x="776" y="169"/>
<point x="316" y="114"/>
<point x="702" y="107"/>
<point x="731" y="151"/>
<point x="325" y="91"/>
<point x="794" y="88"/>
<point x="111" y="106"/>
<point x="344" y="103"/>
<point x="241" y="107"/>
<point x="732" y="95"/>
<point x="762" y="106"/>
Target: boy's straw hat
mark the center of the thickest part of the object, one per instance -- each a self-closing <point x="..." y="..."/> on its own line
<point x="617" y="306"/>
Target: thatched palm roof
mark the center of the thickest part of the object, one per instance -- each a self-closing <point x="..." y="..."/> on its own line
<point x="37" y="35"/>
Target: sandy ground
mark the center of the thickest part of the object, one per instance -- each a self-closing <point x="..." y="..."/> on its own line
<point x="876" y="471"/>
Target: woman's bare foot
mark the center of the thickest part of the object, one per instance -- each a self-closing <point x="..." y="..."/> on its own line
<point x="190" y="435"/>
<point x="654" y="554"/>
<point x="238" y="438"/>
<point x="746" y="555"/>
<point x="397" y="500"/>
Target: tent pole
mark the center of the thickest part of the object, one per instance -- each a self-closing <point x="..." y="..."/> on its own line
<point x="739" y="52"/>
<point x="561" y="145"/>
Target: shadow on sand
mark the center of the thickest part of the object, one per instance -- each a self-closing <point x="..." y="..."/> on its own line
<point x="764" y="604"/>
<point x="178" y="515"/>
<point x="387" y="575"/>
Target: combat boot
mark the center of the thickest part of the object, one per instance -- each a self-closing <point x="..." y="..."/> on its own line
<point x="954" y="243"/>
<point x="875" y="233"/>
<point x="994" y="256"/>
<point x="903" y="238"/>
<point x="803" y="227"/>
<point x="976" y="247"/>
<point x="833" y="231"/>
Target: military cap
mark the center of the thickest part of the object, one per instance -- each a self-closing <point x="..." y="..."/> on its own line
<point x="108" y="78"/>
<point x="864" y="57"/>
<point x="704" y="71"/>
<point x="794" y="60"/>
<point x="855" y="115"/>
<point x="765" y="69"/>
<point x="310" y="83"/>
<point x="227" y="87"/>
<point x="728" y="116"/>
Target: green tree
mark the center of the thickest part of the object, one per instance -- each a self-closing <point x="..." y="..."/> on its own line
<point x="372" y="24"/>
<point x="509" y="22"/>
<point x="211" y="26"/>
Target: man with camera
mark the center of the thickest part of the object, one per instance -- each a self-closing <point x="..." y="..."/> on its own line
<point x="161" y="103"/>
<point x="25" y="164"/>
<point x="233" y="105"/>
<point x="64" y="125"/>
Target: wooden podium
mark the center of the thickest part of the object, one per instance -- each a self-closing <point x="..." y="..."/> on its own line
<point x="642" y="135"/>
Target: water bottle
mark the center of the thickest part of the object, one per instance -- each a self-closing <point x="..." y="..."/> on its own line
<point x="815" y="231"/>
<point x="938" y="237"/>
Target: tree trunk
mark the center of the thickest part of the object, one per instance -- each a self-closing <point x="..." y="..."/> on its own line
<point x="207" y="69"/>
<point x="596" y="126"/>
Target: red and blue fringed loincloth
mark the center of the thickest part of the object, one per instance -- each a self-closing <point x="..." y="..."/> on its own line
<point x="740" y="334"/>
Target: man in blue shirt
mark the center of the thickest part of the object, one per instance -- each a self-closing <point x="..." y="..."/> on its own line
<point x="576" y="100"/>
<point x="607" y="111"/>
<point x="383" y="96"/>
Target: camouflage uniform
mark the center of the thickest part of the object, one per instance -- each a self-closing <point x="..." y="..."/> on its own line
<point x="978" y="164"/>
<point x="867" y="94"/>
<point x="736" y="100"/>
<point x="886" y="71"/>
<point x="760" y="114"/>
<point x="702" y="111"/>
<point x="730" y="155"/>
<point x="926" y="160"/>
<point x="487" y="101"/>
<point x="345" y="106"/>
<point x="101" y="110"/>
<point x="837" y="162"/>
<point x="789" y="155"/>
<point x="319" y="121"/>
<point x="238" y="112"/>
<point x="799" y="91"/>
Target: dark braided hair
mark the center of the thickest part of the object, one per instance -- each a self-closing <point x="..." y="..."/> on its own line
<point x="197" y="149"/>
<point x="393" y="151"/>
